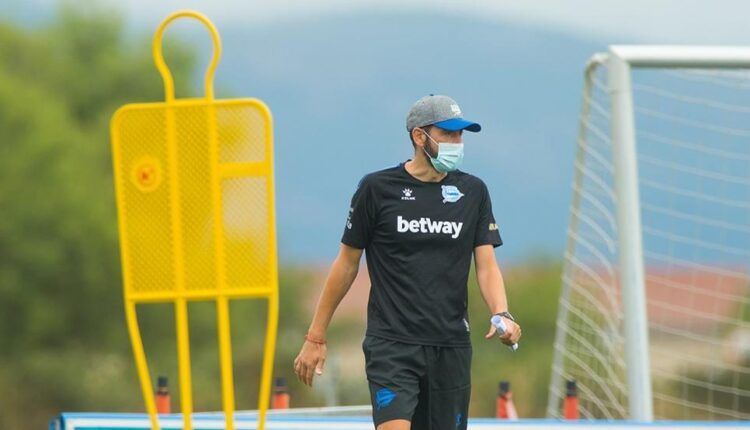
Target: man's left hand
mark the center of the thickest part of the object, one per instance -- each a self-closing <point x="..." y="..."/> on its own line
<point x="512" y="332"/>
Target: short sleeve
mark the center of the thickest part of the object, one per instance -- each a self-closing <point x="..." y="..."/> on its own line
<point x="487" y="232"/>
<point x="361" y="219"/>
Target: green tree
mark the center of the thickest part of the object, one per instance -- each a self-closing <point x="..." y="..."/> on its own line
<point x="61" y="318"/>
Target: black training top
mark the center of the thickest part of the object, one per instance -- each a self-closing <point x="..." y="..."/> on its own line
<point x="418" y="239"/>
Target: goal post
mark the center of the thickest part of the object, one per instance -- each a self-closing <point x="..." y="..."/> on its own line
<point x="630" y="248"/>
<point x="603" y="330"/>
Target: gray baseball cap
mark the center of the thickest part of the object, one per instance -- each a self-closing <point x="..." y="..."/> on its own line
<point x="441" y="111"/>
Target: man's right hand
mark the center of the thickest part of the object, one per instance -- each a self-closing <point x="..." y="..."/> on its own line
<point x="310" y="361"/>
<point x="312" y="357"/>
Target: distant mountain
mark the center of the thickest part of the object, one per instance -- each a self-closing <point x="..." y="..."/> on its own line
<point x="340" y="87"/>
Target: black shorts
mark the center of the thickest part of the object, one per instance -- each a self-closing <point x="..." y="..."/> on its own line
<point x="427" y="385"/>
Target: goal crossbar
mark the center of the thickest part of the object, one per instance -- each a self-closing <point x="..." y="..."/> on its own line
<point x="680" y="56"/>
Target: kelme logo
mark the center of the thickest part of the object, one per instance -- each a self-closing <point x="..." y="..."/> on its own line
<point x="407" y="194"/>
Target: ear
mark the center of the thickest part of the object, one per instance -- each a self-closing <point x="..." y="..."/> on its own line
<point x="417" y="134"/>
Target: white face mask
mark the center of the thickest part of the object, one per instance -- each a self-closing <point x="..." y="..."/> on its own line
<point x="450" y="155"/>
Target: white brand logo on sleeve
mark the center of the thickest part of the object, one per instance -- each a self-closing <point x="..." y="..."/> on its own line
<point x="426" y="225"/>
<point x="349" y="219"/>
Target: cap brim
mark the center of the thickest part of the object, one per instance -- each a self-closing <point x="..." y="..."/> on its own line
<point x="455" y="124"/>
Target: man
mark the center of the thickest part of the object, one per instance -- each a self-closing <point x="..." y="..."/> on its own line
<point x="419" y="223"/>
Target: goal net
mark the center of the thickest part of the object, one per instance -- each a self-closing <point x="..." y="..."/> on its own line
<point x="691" y="124"/>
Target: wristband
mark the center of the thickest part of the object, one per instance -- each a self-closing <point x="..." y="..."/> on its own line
<point x="313" y="340"/>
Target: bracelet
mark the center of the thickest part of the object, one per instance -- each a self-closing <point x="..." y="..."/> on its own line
<point x="313" y="340"/>
<point x="506" y="314"/>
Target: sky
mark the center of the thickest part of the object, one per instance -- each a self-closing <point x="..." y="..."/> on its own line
<point x="519" y="75"/>
<point x="645" y="21"/>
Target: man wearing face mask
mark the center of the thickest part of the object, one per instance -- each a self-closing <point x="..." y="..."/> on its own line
<point x="419" y="222"/>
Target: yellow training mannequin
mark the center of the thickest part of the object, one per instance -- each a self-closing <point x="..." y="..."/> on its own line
<point x="195" y="201"/>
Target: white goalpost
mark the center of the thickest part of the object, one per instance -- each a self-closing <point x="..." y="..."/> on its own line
<point x="654" y="317"/>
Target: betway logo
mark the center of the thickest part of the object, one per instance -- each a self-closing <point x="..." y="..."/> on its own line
<point x="426" y="225"/>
